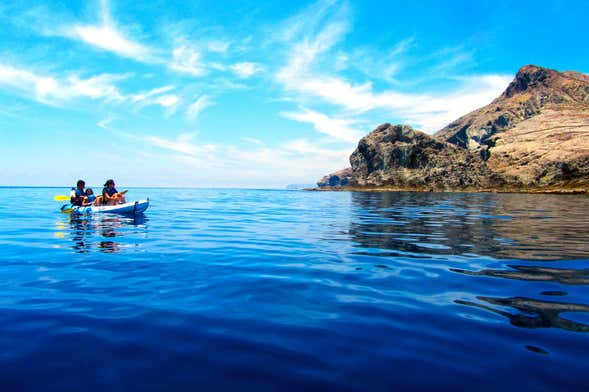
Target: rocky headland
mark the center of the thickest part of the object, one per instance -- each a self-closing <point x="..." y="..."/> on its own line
<point x="532" y="138"/>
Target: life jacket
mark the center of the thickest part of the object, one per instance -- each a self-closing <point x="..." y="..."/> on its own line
<point x="109" y="191"/>
<point x="76" y="196"/>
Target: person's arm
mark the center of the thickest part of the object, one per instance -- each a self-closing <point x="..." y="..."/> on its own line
<point x="117" y="195"/>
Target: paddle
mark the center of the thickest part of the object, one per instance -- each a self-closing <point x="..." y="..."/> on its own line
<point x="67" y="198"/>
<point x="61" y="198"/>
<point x="66" y="209"/>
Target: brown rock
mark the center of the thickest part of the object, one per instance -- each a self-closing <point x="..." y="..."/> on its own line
<point x="399" y="156"/>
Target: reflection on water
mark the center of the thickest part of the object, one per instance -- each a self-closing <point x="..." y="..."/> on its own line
<point x="100" y="232"/>
<point x="534" y="314"/>
<point x="531" y="227"/>
<point x="536" y="228"/>
<point x="535" y="273"/>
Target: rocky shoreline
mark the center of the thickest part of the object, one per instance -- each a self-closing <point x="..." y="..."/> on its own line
<point x="558" y="191"/>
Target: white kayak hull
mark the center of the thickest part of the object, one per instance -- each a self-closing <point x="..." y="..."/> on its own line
<point x="134" y="207"/>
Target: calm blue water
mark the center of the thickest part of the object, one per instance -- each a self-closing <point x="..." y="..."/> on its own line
<point x="276" y="290"/>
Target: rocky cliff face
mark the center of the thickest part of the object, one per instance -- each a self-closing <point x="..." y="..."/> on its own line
<point x="399" y="156"/>
<point x="533" y="91"/>
<point x="338" y="179"/>
<point x="535" y="136"/>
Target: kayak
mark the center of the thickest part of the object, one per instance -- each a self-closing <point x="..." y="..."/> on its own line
<point x="134" y="207"/>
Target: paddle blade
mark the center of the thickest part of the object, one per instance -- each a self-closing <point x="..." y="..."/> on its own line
<point x="67" y="208"/>
<point x="61" y="198"/>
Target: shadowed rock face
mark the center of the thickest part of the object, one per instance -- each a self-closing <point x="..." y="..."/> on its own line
<point x="535" y="136"/>
<point x="338" y="179"/>
<point x="399" y="156"/>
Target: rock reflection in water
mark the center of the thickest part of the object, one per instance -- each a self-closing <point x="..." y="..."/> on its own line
<point x="534" y="314"/>
<point x="85" y="230"/>
<point x="534" y="273"/>
<point x="531" y="227"/>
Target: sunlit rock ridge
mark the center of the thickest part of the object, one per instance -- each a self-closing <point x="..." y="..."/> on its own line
<point x="532" y="138"/>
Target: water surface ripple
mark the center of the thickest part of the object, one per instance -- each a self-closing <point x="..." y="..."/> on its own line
<point x="292" y="290"/>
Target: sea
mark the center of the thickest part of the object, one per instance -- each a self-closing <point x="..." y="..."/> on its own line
<point x="274" y="290"/>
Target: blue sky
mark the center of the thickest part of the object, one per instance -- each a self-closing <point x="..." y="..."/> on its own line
<point x="249" y="93"/>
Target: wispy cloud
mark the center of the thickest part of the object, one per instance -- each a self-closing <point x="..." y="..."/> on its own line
<point x="252" y="140"/>
<point x="146" y="95"/>
<point x="187" y="59"/>
<point x="381" y="63"/>
<point x="183" y="144"/>
<point x="167" y="101"/>
<point x="107" y="36"/>
<point x="245" y="69"/>
<point x="302" y="159"/>
<point x="218" y="46"/>
<point x="159" y="96"/>
<point x="198" y="106"/>
<point x="53" y="90"/>
<point x="56" y="90"/>
<point x="315" y="41"/>
<point x="104" y="123"/>
<point x="337" y="128"/>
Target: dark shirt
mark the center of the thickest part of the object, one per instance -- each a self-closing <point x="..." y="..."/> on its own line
<point x="109" y="191"/>
<point x="77" y="200"/>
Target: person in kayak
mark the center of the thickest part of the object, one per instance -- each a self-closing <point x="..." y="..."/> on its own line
<point x="110" y="195"/>
<point x="90" y="198"/>
<point x="77" y="194"/>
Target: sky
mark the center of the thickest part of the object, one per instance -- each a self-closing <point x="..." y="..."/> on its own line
<point x="250" y="93"/>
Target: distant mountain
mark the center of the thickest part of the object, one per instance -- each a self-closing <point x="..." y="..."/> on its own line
<point x="534" y="137"/>
<point x="339" y="178"/>
<point x="299" y="186"/>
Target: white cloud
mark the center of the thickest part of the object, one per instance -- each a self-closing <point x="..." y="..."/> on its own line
<point x="298" y="160"/>
<point x="339" y="129"/>
<point x="158" y="96"/>
<point x="167" y="101"/>
<point x="305" y="147"/>
<point x="252" y="140"/>
<point x="95" y="87"/>
<point x="307" y="21"/>
<point x="304" y="75"/>
<point x="428" y="112"/>
<point x="218" y="46"/>
<point x="245" y="69"/>
<point x="53" y="90"/>
<point x="151" y="93"/>
<point x="187" y="59"/>
<point x="198" y="106"/>
<point x="183" y="144"/>
<point x="107" y="36"/>
<point x="105" y="122"/>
